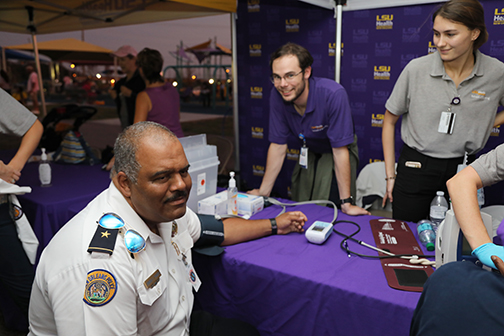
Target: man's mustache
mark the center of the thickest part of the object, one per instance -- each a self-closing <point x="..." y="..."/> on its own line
<point x="178" y="194"/>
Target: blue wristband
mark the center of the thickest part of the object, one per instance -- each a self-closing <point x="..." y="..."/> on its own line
<point x="485" y="252"/>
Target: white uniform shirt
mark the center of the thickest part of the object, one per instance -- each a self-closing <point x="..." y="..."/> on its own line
<point x="57" y="303"/>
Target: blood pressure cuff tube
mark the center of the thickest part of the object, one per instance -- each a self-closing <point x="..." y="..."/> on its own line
<point x="212" y="235"/>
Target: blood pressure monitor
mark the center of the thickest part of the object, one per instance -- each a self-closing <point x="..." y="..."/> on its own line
<point x="319" y="232"/>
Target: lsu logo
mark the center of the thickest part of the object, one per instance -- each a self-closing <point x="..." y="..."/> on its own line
<point x="498" y="18"/>
<point x="292" y="25"/>
<point x="332" y="49"/>
<point x="476" y="94"/>
<point x="256" y="92"/>
<point x="101" y="287"/>
<point x="292" y="154"/>
<point x="258" y="170"/>
<point x="377" y="120"/>
<point x="431" y="48"/>
<point x="495" y="131"/>
<point x="384" y="21"/>
<point x="374" y="160"/>
<point x="257" y="132"/>
<point x="381" y="72"/>
<point x="255" y="50"/>
<point x="253" y="6"/>
<point x="384" y="17"/>
<point x="497" y="48"/>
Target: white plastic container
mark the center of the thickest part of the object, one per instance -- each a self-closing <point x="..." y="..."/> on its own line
<point x="44" y="170"/>
<point x="203" y="162"/>
<point x="232" y="195"/>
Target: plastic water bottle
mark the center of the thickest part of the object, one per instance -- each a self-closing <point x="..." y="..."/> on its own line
<point x="438" y="208"/>
<point x="44" y="170"/>
<point x="232" y="195"/>
<point x="426" y="234"/>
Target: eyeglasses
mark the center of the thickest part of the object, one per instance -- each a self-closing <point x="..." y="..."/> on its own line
<point x="134" y="242"/>
<point x="289" y="78"/>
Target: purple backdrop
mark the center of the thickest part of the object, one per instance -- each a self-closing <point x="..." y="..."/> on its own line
<point x="377" y="44"/>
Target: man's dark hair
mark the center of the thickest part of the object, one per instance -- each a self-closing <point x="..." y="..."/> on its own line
<point x="304" y="57"/>
<point x="470" y="13"/>
<point x="151" y="62"/>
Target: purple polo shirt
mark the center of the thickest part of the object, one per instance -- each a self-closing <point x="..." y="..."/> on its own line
<point x="326" y="124"/>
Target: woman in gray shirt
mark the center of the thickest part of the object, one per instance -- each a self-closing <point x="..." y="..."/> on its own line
<point x="448" y="101"/>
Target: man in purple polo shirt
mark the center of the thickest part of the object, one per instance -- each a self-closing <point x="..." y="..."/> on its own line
<point x="317" y="111"/>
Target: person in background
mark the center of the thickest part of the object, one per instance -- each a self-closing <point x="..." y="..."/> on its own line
<point x="160" y="101"/>
<point x="33" y="88"/>
<point x="17" y="272"/>
<point x="126" y="89"/>
<point x="318" y="110"/>
<point x="461" y="298"/>
<point x="103" y="284"/>
<point x="456" y="83"/>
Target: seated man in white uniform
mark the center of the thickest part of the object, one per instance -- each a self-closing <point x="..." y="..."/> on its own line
<point x="122" y="266"/>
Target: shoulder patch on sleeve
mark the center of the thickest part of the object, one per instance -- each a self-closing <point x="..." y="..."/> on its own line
<point x="101" y="287"/>
<point x="103" y="240"/>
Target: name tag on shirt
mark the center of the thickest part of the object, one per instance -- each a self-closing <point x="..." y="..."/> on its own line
<point x="446" y="122"/>
<point x="303" y="157"/>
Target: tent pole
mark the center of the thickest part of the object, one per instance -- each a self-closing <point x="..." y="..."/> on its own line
<point x="33" y="30"/>
<point x="234" y="70"/>
<point x="39" y="73"/>
<point x="337" y="49"/>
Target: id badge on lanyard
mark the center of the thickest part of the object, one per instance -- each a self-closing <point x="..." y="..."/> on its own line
<point x="447" y="120"/>
<point x="303" y="155"/>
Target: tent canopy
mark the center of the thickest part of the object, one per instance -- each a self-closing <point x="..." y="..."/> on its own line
<point x="368" y="4"/>
<point x="71" y="50"/>
<point x="52" y="16"/>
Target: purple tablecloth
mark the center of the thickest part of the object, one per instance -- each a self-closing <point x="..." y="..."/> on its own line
<point x="285" y="285"/>
<point x="47" y="208"/>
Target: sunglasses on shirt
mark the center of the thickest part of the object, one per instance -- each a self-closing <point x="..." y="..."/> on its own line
<point x="134" y="242"/>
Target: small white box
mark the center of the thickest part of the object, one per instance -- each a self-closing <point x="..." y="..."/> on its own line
<point x="213" y="205"/>
<point x="249" y="204"/>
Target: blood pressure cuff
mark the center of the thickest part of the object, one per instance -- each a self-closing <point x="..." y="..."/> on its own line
<point x="212" y="235"/>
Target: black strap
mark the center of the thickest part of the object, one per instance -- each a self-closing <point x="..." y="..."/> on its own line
<point x="274" y="227"/>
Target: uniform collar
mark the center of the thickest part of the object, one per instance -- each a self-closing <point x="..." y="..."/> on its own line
<point x="118" y="204"/>
<point x="438" y="69"/>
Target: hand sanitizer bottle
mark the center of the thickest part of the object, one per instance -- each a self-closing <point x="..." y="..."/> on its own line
<point x="232" y="195"/>
<point x="44" y="170"/>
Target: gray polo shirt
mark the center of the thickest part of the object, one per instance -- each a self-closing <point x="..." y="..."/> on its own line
<point x="424" y="90"/>
<point x="490" y="166"/>
<point x="15" y="118"/>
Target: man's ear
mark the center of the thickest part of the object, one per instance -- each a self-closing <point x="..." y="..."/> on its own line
<point x="123" y="184"/>
<point x="307" y="72"/>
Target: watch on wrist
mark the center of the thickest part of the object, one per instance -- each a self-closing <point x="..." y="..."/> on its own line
<point x="347" y="200"/>
<point x="273" y="226"/>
